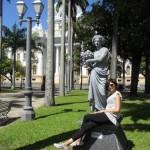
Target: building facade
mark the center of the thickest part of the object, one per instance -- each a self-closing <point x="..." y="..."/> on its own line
<point x="39" y="56"/>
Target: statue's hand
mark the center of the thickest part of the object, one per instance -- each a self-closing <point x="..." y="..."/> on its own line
<point x="88" y="61"/>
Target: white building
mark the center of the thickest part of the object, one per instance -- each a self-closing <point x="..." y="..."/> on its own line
<point x="39" y="61"/>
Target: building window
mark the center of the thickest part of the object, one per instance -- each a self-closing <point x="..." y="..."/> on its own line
<point x="128" y="70"/>
<point x="119" y="80"/>
<point x="24" y="57"/>
<point x="18" y="56"/>
<point x="34" y="69"/>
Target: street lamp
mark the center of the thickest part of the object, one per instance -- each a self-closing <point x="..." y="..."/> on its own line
<point x="28" y="112"/>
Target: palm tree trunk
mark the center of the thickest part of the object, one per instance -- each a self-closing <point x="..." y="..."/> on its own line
<point x="113" y="71"/>
<point x="136" y="61"/>
<point x="71" y="57"/>
<point x="69" y="45"/>
<point x="21" y="82"/>
<point x="1" y="15"/>
<point x="13" y="69"/>
<point x="49" y="88"/>
<point x="123" y="66"/>
<point x="62" y="67"/>
<point x="147" y="75"/>
<point x="44" y="54"/>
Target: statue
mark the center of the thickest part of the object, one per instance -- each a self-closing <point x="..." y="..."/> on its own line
<point x="98" y="63"/>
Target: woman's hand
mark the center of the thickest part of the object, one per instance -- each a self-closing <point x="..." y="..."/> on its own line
<point x="97" y="112"/>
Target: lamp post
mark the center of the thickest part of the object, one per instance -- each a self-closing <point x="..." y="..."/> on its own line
<point x="28" y="112"/>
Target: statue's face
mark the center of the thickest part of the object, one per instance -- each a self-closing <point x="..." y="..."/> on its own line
<point x="97" y="42"/>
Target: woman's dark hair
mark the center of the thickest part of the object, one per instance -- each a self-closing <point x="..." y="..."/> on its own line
<point x="108" y="82"/>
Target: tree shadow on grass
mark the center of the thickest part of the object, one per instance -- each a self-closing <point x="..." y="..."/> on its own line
<point x="139" y="96"/>
<point x="60" y="104"/>
<point x="138" y="127"/>
<point x="48" y="141"/>
<point x="78" y="95"/>
<point x="130" y="145"/>
<point x="63" y="111"/>
<point x="8" y="121"/>
<point x="137" y="111"/>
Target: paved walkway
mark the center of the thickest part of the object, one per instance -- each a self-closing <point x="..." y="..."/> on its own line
<point x="18" y="99"/>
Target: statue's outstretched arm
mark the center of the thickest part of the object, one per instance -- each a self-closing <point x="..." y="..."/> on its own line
<point x="103" y="54"/>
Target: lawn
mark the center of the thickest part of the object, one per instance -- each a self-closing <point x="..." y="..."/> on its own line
<point x="9" y="90"/>
<point x="54" y="124"/>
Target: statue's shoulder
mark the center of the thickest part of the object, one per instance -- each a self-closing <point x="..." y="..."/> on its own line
<point x="104" y="50"/>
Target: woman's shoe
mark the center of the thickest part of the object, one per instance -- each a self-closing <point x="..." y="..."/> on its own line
<point x="77" y="143"/>
<point x="60" y="146"/>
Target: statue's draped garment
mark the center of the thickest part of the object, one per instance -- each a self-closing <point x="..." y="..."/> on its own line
<point x="98" y="77"/>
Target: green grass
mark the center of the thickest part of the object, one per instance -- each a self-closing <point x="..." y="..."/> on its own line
<point x="136" y="122"/>
<point x="54" y="124"/>
<point x="9" y="90"/>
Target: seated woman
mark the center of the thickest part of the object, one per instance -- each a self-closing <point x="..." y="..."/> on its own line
<point x="108" y="115"/>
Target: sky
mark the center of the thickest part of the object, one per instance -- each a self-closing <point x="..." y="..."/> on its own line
<point x="10" y="16"/>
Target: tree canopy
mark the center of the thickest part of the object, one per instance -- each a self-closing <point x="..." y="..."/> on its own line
<point x="133" y="29"/>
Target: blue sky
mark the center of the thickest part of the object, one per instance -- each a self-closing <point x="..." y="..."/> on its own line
<point x="10" y="15"/>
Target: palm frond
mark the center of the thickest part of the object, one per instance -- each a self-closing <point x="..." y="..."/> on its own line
<point x="58" y="5"/>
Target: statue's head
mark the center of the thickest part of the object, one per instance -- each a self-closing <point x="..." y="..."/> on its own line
<point x="98" y="38"/>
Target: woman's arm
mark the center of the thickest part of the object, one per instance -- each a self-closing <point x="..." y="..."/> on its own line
<point x="113" y="110"/>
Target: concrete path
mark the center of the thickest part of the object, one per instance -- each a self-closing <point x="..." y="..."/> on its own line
<point x="17" y="100"/>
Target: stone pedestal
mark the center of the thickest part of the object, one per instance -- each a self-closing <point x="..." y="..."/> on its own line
<point x="105" y="137"/>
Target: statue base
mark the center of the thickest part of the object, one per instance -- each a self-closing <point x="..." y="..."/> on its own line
<point x="105" y="137"/>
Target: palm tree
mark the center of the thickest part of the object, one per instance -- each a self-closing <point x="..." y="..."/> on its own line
<point x="49" y="88"/>
<point x="14" y="38"/>
<point x="1" y="10"/>
<point x="1" y="16"/>
<point x="69" y="46"/>
<point x="72" y="12"/>
<point x="113" y="8"/>
<point x="62" y="67"/>
<point x="113" y="71"/>
<point x="72" y="20"/>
